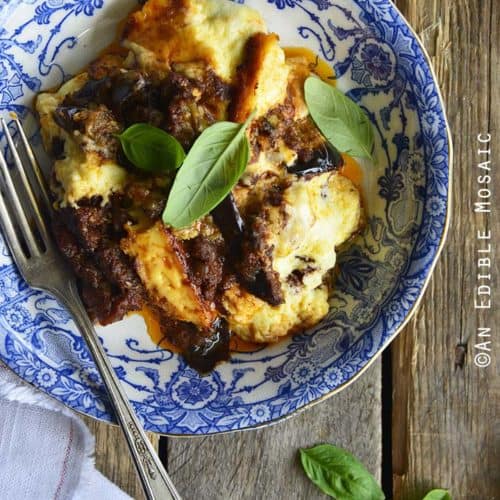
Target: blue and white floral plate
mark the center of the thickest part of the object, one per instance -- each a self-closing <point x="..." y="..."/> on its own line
<point x="383" y="273"/>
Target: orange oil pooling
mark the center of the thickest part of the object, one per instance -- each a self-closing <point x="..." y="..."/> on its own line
<point x="314" y="62"/>
<point x="239" y="345"/>
<point x="154" y="331"/>
<point x="352" y="170"/>
<point x="116" y="47"/>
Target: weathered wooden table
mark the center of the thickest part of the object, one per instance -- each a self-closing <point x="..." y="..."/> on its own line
<point x="424" y="415"/>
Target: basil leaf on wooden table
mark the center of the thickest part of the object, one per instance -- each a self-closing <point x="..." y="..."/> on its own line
<point x="339" y="474"/>
<point x="211" y="169"/>
<point x="152" y="149"/>
<point x="344" y="124"/>
<point x="437" y="495"/>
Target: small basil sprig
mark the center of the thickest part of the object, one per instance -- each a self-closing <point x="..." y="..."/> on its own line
<point x="152" y="149"/>
<point x="344" y="124"/>
<point x="437" y="495"/>
<point x="342" y="476"/>
<point x="211" y="169"/>
<point x="339" y="474"/>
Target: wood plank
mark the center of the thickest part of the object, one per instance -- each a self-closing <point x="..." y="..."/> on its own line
<point x="445" y="408"/>
<point x="263" y="463"/>
<point x="113" y="459"/>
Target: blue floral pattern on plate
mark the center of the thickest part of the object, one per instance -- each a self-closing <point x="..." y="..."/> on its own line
<point x="380" y="64"/>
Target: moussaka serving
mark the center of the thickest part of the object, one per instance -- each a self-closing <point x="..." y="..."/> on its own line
<point x="258" y="264"/>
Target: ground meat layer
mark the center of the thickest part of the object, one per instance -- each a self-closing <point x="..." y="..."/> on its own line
<point x="183" y="103"/>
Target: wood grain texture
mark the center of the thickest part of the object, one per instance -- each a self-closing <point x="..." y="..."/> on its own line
<point x="445" y="412"/>
<point x="263" y="463"/>
<point x="113" y="459"/>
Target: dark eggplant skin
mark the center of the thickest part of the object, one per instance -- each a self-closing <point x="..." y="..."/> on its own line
<point x="127" y="86"/>
<point x="244" y="255"/>
<point x="112" y="90"/>
<point x="325" y="159"/>
<point x="64" y="116"/>
<point x="204" y="355"/>
<point x="93" y="91"/>
<point x="132" y="97"/>
<point x="57" y="148"/>
<point x="135" y="99"/>
<point x="228" y="219"/>
<point x="266" y="286"/>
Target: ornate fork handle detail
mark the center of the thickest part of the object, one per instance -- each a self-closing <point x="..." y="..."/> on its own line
<point x="155" y="481"/>
<point x="142" y="451"/>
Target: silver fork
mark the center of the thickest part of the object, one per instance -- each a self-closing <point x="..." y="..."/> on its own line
<point x="43" y="268"/>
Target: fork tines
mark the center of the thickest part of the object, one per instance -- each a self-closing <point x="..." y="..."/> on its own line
<point x="23" y="201"/>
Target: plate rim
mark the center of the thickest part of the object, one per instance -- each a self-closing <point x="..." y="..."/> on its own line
<point x="409" y="315"/>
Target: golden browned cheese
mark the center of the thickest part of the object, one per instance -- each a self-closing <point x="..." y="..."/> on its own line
<point x="301" y="220"/>
<point x="179" y="31"/>
<point x="82" y="173"/>
<point x="313" y="218"/>
<point x="161" y="27"/>
<point x="254" y="320"/>
<point x="162" y="265"/>
<point x="261" y="80"/>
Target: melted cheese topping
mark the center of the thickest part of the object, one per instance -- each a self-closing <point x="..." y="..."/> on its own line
<point x="161" y="264"/>
<point x="319" y="214"/>
<point x="80" y="174"/>
<point x="262" y="79"/>
<point x="161" y="34"/>
<point x="272" y="81"/>
<point x="167" y="33"/>
<point x="86" y="175"/>
<point x="315" y="216"/>
<point x="175" y="31"/>
<point x="254" y="320"/>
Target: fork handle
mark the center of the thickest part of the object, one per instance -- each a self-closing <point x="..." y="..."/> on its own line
<point x="155" y="480"/>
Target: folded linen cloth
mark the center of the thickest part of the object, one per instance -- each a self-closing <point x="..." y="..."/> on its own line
<point x="46" y="451"/>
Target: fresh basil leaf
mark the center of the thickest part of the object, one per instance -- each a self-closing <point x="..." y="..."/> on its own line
<point x="344" y="124"/>
<point x="339" y="474"/>
<point x="152" y="149"/>
<point x="212" y="167"/>
<point x="437" y="495"/>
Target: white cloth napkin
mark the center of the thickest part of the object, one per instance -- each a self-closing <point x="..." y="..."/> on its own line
<point x="46" y="451"/>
